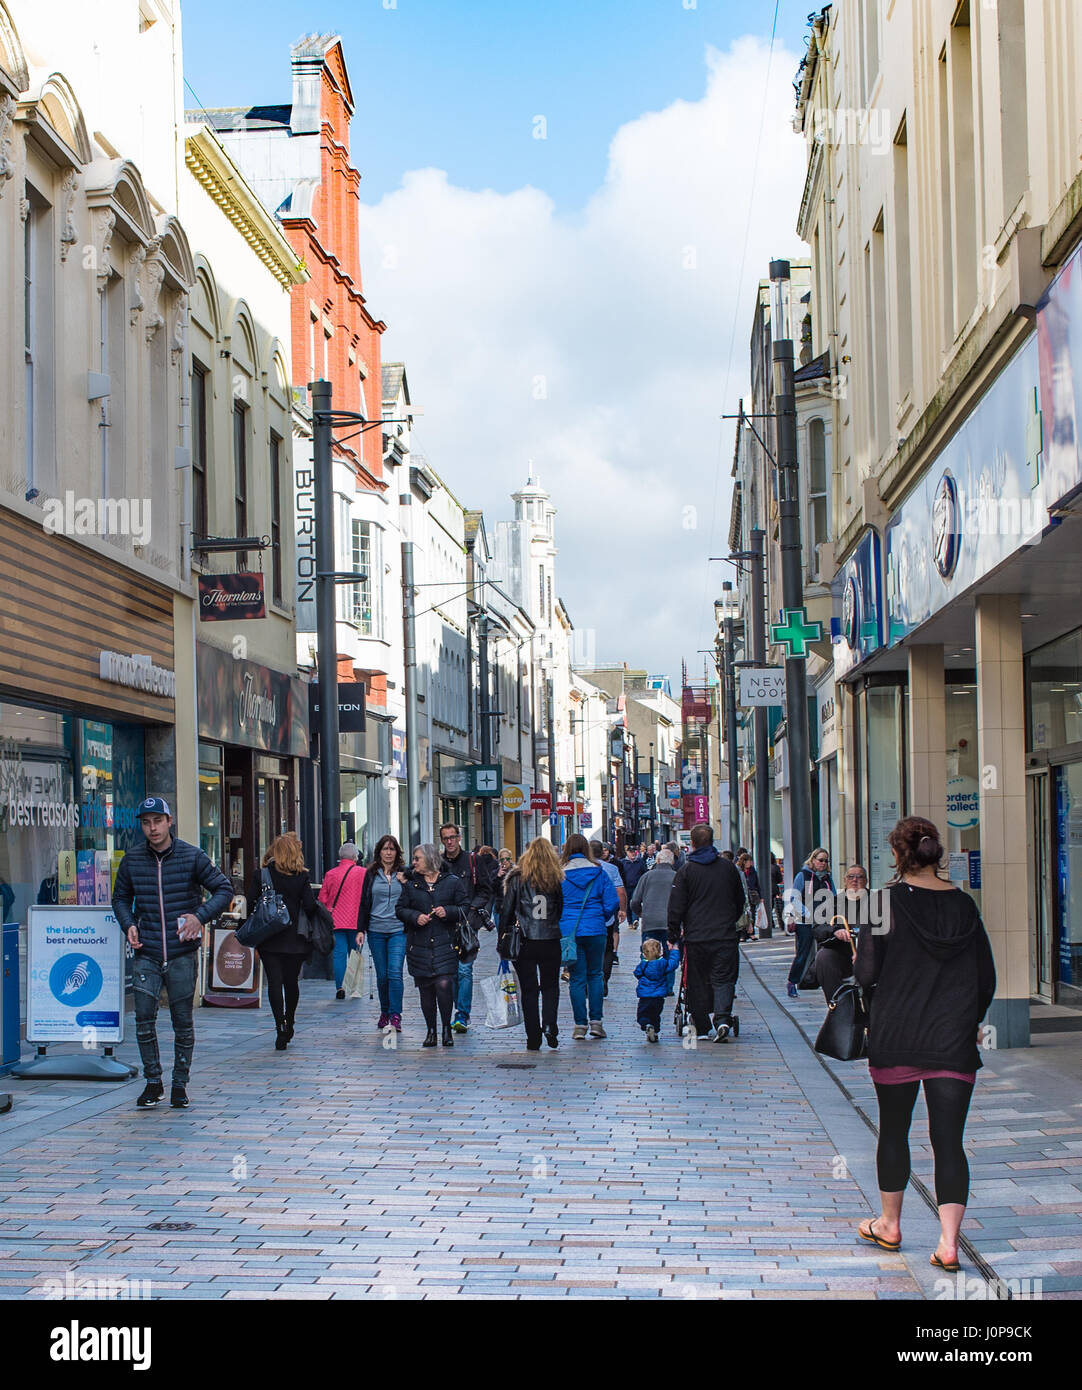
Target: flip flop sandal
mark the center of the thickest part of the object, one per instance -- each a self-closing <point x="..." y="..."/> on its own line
<point x="870" y="1236"/>
<point x="950" y="1269"/>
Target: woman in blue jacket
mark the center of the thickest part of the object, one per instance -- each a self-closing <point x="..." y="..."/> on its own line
<point x="590" y="900"/>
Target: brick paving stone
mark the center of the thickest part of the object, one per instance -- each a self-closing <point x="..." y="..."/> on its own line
<point x="607" y="1171"/>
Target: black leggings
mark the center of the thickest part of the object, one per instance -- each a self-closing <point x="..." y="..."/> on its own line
<point x="437" y="989"/>
<point x="283" y="988"/>
<point x="948" y="1104"/>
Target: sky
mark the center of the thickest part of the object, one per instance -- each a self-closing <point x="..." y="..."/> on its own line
<point x="565" y="210"/>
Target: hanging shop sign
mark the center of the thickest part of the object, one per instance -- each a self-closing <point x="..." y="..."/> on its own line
<point x="795" y="632"/>
<point x="231" y="597"/>
<point x="74" y="974"/>
<point x="514" y="797"/>
<point x="241" y="702"/>
<point x="540" y="801"/>
<point x="469" y="779"/>
<point x="351" y="709"/>
<point x="827" y="719"/>
<point x="672" y="791"/>
<point x="762" y="685"/>
<point x="696" y="811"/>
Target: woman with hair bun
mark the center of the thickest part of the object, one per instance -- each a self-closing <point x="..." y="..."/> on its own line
<point x="930" y="978"/>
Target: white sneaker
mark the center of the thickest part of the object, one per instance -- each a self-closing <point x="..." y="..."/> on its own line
<point x="651" y="1033"/>
<point x="721" y="1033"/>
<point x="579" y="1031"/>
<point x="596" y="1030"/>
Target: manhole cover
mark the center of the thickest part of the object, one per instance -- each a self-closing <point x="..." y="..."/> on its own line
<point x="172" y="1226"/>
<point x="515" y="1066"/>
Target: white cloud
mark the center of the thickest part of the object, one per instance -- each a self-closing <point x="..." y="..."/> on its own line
<point x="598" y="345"/>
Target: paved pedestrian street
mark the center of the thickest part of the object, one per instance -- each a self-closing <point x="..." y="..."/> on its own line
<point x="346" y="1169"/>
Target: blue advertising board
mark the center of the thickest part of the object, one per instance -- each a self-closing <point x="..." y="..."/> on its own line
<point x="858" y="601"/>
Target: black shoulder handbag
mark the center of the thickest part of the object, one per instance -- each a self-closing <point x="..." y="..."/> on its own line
<point x="269" y="916"/>
<point x="844" y="1034"/>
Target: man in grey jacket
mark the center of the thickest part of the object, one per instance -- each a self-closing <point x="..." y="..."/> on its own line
<point x="650" y="901"/>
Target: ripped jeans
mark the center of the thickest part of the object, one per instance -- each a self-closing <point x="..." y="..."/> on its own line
<point x="178" y="975"/>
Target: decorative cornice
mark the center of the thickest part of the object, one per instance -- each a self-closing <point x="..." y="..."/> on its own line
<point x="211" y="166"/>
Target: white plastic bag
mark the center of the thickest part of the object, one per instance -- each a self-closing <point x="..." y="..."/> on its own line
<point x="353" y="980"/>
<point x="501" y="996"/>
<point x="762" y="922"/>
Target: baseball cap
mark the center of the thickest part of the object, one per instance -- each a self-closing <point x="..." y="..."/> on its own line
<point x="153" y="806"/>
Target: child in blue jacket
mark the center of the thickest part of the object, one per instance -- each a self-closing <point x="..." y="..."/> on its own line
<point x="652" y="973"/>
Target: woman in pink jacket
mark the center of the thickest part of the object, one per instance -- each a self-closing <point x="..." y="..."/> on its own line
<point x="341" y="892"/>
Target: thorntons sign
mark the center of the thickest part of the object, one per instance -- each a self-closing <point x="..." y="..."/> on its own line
<point x="138" y="672"/>
<point x="225" y="597"/>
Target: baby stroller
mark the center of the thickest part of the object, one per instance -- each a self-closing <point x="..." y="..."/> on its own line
<point x="681" y="1014"/>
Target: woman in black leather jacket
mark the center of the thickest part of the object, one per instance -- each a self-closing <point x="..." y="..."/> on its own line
<point x="534" y="898"/>
<point x="432" y="904"/>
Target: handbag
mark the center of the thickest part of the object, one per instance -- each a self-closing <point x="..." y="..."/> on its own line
<point x="269" y="916"/>
<point x="569" y="946"/>
<point x="844" y="1034"/>
<point x="317" y="928"/>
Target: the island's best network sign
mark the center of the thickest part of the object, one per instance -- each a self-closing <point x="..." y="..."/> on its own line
<point x="75" y="975"/>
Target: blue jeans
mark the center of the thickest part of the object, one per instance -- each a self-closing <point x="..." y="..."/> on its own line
<point x="178" y="975"/>
<point x="388" y="954"/>
<point x="588" y="978"/>
<point x="344" y="942"/>
<point x="464" y="990"/>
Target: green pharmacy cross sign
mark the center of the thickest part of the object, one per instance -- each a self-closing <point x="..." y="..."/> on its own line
<point x="795" y="632"/>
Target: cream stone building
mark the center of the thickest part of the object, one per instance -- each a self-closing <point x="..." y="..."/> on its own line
<point x="96" y="677"/>
<point x="943" y="211"/>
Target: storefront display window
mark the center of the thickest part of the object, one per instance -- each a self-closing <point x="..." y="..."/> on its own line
<point x="69" y="790"/>
<point x="1055" y="693"/>
<point x="883" y="789"/>
<point x="963" y="831"/>
<point x="210" y="802"/>
<point x="1069" y="873"/>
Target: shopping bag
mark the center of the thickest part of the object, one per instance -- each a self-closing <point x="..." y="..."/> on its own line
<point x="353" y="980"/>
<point x="762" y="922"/>
<point x="504" y="1008"/>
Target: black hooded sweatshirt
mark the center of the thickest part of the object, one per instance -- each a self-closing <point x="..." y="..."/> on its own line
<point x="931" y="978"/>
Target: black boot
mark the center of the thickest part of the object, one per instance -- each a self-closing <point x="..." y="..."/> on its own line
<point x="288" y="1029"/>
<point x="281" y="1041"/>
<point x="430" y="1038"/>
<point x="448" y="1036"/>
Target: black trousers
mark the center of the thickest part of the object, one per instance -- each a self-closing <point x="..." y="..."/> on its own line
<point x="713" y="967"/>
<point x="436" y="990"/>
<point x="538" y="971"/>
<point x="610" y="951"/>
<point x="948" y="1100"/>
<point x="833" y="964"/>
<point x="283" y="984"/>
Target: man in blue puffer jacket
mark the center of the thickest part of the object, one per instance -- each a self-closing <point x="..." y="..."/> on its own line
<point x="589" y="901"/>
<point x="158" y="900"/>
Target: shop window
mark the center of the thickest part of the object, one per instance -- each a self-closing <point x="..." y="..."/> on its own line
<point x="884" y="792"/>
<point x="1054" y="675"/>
<point x="962" y="832"/>
<point x="69" y="790"/>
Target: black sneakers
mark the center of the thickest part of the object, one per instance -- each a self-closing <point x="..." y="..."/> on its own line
<point x="178" y="1098"/>
<point x="152" y="1094"/>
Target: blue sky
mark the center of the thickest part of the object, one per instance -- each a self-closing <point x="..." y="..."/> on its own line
<point x="456" y="84"/>
<point x="584" y="301"/>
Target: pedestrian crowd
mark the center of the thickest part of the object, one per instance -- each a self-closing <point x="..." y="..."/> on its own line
<point x="914" y="984"/>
